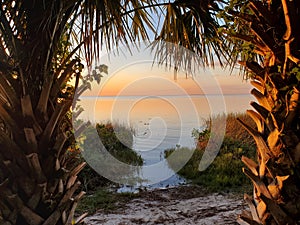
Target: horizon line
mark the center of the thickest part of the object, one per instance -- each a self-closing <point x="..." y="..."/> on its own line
<point x="153" y="96"/>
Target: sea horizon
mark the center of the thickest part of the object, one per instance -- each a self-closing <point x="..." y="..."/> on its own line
<point x="156" y="96"/>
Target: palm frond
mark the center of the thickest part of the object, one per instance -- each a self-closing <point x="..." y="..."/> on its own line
<point x="112" y="22"/>
<point x="192" y="25"/>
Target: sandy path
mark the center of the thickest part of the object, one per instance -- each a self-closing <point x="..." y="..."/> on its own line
<point x="181" y="205"/>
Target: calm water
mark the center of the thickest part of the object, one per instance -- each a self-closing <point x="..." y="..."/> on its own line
<point x="161" y="122"/>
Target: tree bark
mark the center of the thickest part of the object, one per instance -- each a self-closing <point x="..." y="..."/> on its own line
<point x="275" y="175"/>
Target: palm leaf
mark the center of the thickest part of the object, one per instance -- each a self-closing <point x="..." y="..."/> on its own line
<point x="191" y="25"/>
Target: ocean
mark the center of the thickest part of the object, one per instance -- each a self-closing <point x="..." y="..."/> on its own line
<point x="161" y="122"/>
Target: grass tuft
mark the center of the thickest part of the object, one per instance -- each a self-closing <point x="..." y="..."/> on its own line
<point x="103" y="199"/>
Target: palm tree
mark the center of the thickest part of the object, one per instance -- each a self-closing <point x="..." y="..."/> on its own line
<point x="38" y="157"/>
<point x="270" y="36"/>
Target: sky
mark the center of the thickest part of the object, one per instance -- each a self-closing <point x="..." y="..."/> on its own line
<point x="134" y="74"/>
<point x="136" y="83"/>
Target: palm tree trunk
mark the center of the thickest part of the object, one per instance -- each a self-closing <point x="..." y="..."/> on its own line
<point x="38" y="159"/>
<point x="38" y="172"/>
<point x="275" y="173"/>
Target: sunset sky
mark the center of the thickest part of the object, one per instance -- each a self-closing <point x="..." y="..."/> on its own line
<point x="134" y="75"/>
<point x="141" y="79"/>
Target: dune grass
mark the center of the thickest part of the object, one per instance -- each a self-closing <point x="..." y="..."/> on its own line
<point x="225" y="173"/>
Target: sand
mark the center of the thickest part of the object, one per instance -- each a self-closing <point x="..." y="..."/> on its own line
<point x="180" y="205"/>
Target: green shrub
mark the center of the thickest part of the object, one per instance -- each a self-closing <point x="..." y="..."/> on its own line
<point x="225" y="172"/>
<point x="117" y="140"/>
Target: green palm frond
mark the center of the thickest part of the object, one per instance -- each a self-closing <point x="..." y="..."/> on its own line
<point x="194" y="26"/>
<point x="111" y="22"/>
<point x="108" y="23"/>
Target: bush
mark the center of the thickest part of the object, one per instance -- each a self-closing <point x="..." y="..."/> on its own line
<point x="226" y="170"/>
<point x="234" y="129"/>
<point x="117" y="140"/>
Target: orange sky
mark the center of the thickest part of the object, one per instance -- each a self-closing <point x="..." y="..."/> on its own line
<point x="133" y="73"/>
<point x="141" y="79"/>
